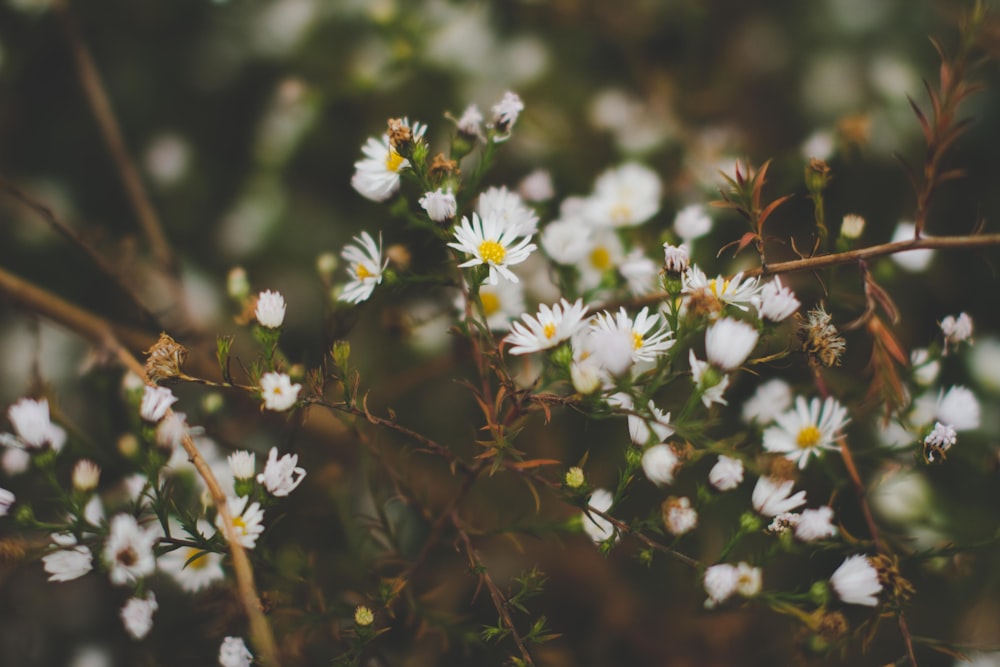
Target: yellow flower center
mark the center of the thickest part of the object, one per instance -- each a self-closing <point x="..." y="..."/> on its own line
<point x="600" y="258"/>
<point x="490" y="301"/>
<point x="492" y="252"/>
<point x="393" y="161"/>
<point x="240" y="525"/>
<point x="637" y="340"/>
<point x="362" y="272"/>
<point x="808" y="437"/>
<point x="549" y="330"/>
<point x="713" y="285"/>
<point x="200" y="557"/>
<point x="621" y="214"/>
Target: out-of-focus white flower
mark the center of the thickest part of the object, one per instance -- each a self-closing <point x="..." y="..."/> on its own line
<point x="806" y="429"/>
<point x="509" y="209"/>
<point x="171" y="430"/>
<point x="493" y="244"/>
<point x="440" y="204"/>
<point x="567" y="240"/>
<point x="820" y="145"/>
<point x="902" y="495"/>
<point x="192" y="568"/>
<point x="137" y="615"/>
<point x="365" y="267"/>
<point x="639" y="271"/>
<point x="925" y="369"/>
<point x="911" y="260"/>
<point x="15" y="460"/>
<point x="639" y="428"/>
<point x="6" y="500"/>
<point x="769" y="400"/>
<point x="956" y="329"/>
<point x="506" y="111"/>
<point x="650" y="336"/>
<point x="281" y="476"/>
<point x="726" y="474"/>
<point x="625" y="196"/>
<point x="983" y="363"/>
<point x="376" y="177"/>
<point x="537" y="186"/>
<point x="604" y="252"/>
<point x="852" y="227"/>
<point x="237" y="284"/>
<point x="676" y="258"/>
<point x="248" y="521"/>
<point x="659" y="463"/>
<point x="729" y="342"/>
<point x="734" y="291"/>
<point x="771" y="496"/>
<point x="471" y="121"/>
<point x="815" y="524"/>
<point x="692" y="222"/>
<point x="155" y="403"/>
<point x="958" y="407"/>
<point x="776" y="302"/>
<point x="502" y="303"/>
<point x="599" y="528"/>
<point x="856" y="581"/>
<point x="720" y="583"/>
<point x="70" y="561"/>
<point x="548" y="328"/>
<point x="128" y="552"/>
<point x="243" y="464"/>
<point x="86" y="475"/>
<point x="678" y="515"/>
<point x="708" y="381"/>
<point x="278" y="391"/>
<point x="31" y="422"/>
<point x="609" y="352"/>
<point x="270" y="311"/>
<point x="234" y="653"/>
<point x="749" y="580"/>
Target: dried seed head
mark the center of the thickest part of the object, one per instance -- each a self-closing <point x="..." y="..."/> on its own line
<point x="400" y="135"/>
<point x="703" y="303"/>
<point x="442" y="167"/>
<point x="831" y="626"/>
<point x="894" y="585"/>
<point x="165" y="359"/>
<point x="820" y="339"/>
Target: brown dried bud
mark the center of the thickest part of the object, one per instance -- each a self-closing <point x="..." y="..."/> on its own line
<point x="820" y="339"/>
<point x="703" y="302"/>
<point x="817" y="175"/>
<point x="442" y="167"/>
<point x="399" y="255"/>
<point x="399" y="135"/>
<point x="831" y="626"/>
<point x="894" y="585"/>
<point x="12" y="550"/>
<point x="855" y="129"/>
<point x="782" y="468"/>
<point x="165" y="359"/>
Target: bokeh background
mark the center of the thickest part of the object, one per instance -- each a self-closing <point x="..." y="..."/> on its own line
<point x="246" y="118"/>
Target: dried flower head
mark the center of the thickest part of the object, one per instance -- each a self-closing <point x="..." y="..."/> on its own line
<point x="820" y="339"/>
<point x="165" y="359"/>
<point x="400" y="135"/>
<point x="894" y="585"/>
<point x="442" y="166"/>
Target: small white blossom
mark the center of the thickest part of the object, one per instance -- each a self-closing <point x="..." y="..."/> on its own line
<point x="281" y="476"/>
<point x="270" y="311"/>
<point x="234" y="653"/>
<point x="815" y="524"/>
<point x="501" y="303"/>
<point x="720" y="583"/>
<point x="749" y="580"/>
<point x="70" y="561"/>
<point x="776" y="302"/>
<point x="440" y="205"/>
<point x="248" y="522"/>
<point x="137" y="615"/>
<point x="852" y="226"/>
<point x="910" y="260"/>
<point x="734" y="291"/>
<point x="729" y="342"/>
<point x="692" y="222"/>
<point x="599" y="528"/>
<point x="567" y="240"/>
<point x="537" y="186"/>
<point x="769" y="400"/>
<point x="640" y="429"/>
<point x="32" y="424"/>
<point x="506" y="111"/>
<point x="128" y="552"/>
<point x="237" y="284"/>
<point x="956" y="329"/>
<point x="471" y="122"/>
<point x="15" y="460"/>
<point x="784" y="522"/>
<point x="707" y="381"/>
<point x="639" y="272"/>
<point x="925" y="369"/>
<point x="659" y="463"/>
<point x="86" y="475"/>
<point x="806" y="430"/>
<point x="547" y="329"/>
<point x="771" y="496"/>
<point x="726" y="474"/>
<point x="364" y="266"/>
<point x="171" y="430"/>
<point x="650" y="336"/>
<point x="242" y="464"/>
<point x="493" y="244"/>
<point x="155" y="403"/>
<point x="856" y="581"/>
<point x="678" y="516"/>
<point x="192" y="568"/>
<point x="958" y="407"/>
<point x="676" y="259"/>
<point x="376" y="177"/>
<point x="6" y="500"/>
<point x="278" y="391"/>
<point x="625" y="196"/>
<point x="941" y="438"/>
<point x="604" y="352"/>
<point x="509" y="209"/>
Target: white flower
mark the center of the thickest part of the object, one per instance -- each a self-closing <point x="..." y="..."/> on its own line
<point x="707" y="381"/>
<point x="659" y="463"/>
<point x="281" y="476"/>
<point x="769" y="400"/>
<point x="639" y="428"/>
<point x="237" y="284"/>
<point x="941" y="438"/>
<point x="646" y="346"/>
<point x="128" y="552"/>
<point x="537" y="186"/>
<point x="508" y="208"/>
<point x="815" y="524"/>
<point x="86" y="475"/>
<point x="806" y="429"/>
<point x="733" y="291"/>
<point x="31" y="422"/>
<point x="776" y="302"/>
<point x="365" y="267"/>
<point x="440" y="205"/>
<point x="471" y="122"/>
<point x="729" y="342"/>
<point x="155" y="403"/>
<point x="493" y="244"/>
<point x="270" y="311"/>
<point x="783" y="523"/>
<point x="771" y="496"/>
<point x="958" y="407"/>
<point x="925" y="369"/>
<point x="171" y="430"/>
<point x="856" y="581"/>
<point x="676" y="259"/>
<point x="192" y="568"/>
<point x="639" y="272"/>
<point x="678" y="516"/>
<point x="6" y="500"/>
<point x="567" y="240"/>
<point x="234" y="653"/>
<point x="70" y="561"/>
<point x="625" y="196"/>
<point x="278" y="391"/>
<point x="604" y="252"/>
<point x="506" y="111"/>
<point x="15" y="460"/>
<point x="376" y="177"/>
<point x="604" y="352"/>
<point x="749" y="580"/>
<point x="137" y="615"/>
<point x="548" y="328"/>
<point x="911" y="260"/>
<point x="248" y="522"/>
<point x="599" y="528"/>
<point x="956" y="329"/>
<point x="242" y="464"/>
<point x="501" y="303"/>
<point x="692" y="222"/>
<point x="720" y="583"/>
<point x="726" y="474"/>
<point x="852" y="226"/>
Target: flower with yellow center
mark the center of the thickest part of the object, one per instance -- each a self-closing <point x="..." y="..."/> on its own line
<point x="248" y="522"/>
<point x="365" y="266"/>
<point x="649" y="335"/>
<point x="492" y="242"/>
<point x="376" y="177"/>
<point x="806" y="429"/>
<point x="547" y="329"/>
<point x="733" y="291"/>
<point x="501" y="303"/>
<point x="192" y="568"/>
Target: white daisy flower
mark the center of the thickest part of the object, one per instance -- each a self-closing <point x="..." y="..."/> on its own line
<point x="749" y="580"/>
<point x="806" y="429"/>
<point x="707" y="381"/>
<point x="242" y="464"/>
<point x="537" y="186"/>
<point x="547" y="329"/>
<point x="734" y="291"/>
<point x="678" y="516"/>
<point x="941" y="438"/>
<point x="505" y="113"/>
<point x="376" y="177"/>
<point x="659" y="463"/>
<point x="33" y="426"/>
<point x="193" y="569"/>
<point x="720" y="583"/>
<point x="70" y="561"/>
<point x="856" y="581"/>
<point x="726" y="474"/>
<point x="648" y="339"/>
<point x="769" y="400"/>
<point x="365" y="267"/>
<point x="128" y="552"/>
<point x="640" y="429"/>
<point x="137" y="615"/>
<point x="598" y="528"/>
<point x="956" y="329"/>
<point x="815" y="524"/>
<point x="248" y="522"/>
<point x="270" y="311"/>
<point x="501" y="303"/>
<point x="492" y="243"/>
<point x="281" y="476"/>
<point x="471" y="122"/>
<point x="440" y="205"/>
<point x="604" y="252"/>
<point x="603" y="352"/>
<point x="852" y="226"/>
<point x="729" y="342"/>
<point x="86" y="475"/>
<point x="278" y="391"/>
<point x="776" y="302"/>
<point x="625" y="196"/>
<point x="234" y="653"/>
<point x="692" y="222"/>
<point x="566" y="240"/>
<point x="509" y="209"/>
<point x="155" y="403"/>
<point x="676" y="259"/>
<point x="771" y="496"/>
